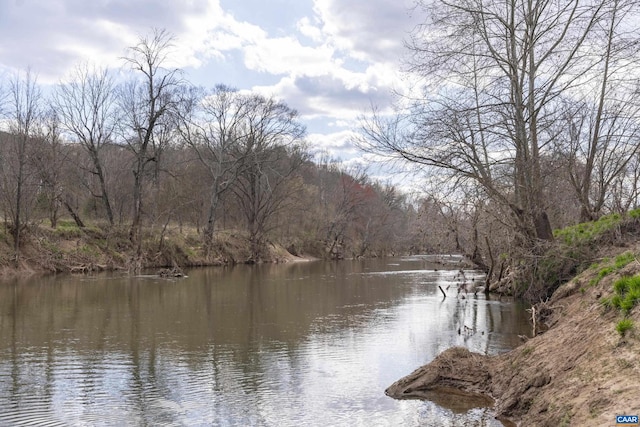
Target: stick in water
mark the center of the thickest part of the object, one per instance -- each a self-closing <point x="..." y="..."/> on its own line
<point x="441" y="290"/>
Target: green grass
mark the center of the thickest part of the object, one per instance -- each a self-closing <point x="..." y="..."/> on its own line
<point x="602" y="273"/>
<point x="626" y="296"/>
<point x="586" y="231"/>
<point x="623" y="326"/>
<point x="619" y="263"/>
<point x="526" y="351"/>
<point x="628" y="291"/>
<point x="566" y="420"/>
<point x="67" y="230"/>
<point x="635" y="214"/>
<point x="88" y="250"/>
<point x="623" y="260"/>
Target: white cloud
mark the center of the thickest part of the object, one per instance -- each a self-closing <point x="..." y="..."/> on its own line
<point x="52" y="36"/>
<point x="372" y="31"/>
<point x="351" y="63"/>
<point x="337" y="145"/>
<point x="285" y="55"/>
<point x="340" y="95"/>
<point x="310" y="30"/>
<point x="329" y="59"/>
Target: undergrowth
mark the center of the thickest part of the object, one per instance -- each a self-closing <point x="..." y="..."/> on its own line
<point x="552" y="264"/>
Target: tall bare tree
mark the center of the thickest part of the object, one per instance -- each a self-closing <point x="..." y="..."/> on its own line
<point x="47" y="158"/>
<point x="348" y="198"/>
<point x="494" y="72"/>
<point x="146" y="102"/>
<point x="3" y="96"/>
<point x="86" y="105"/>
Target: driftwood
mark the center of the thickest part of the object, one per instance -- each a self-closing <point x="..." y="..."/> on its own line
<point x="171" y="272"/>
<point x="87" y="268"/>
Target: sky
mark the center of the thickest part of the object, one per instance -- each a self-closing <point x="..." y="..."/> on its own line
<point x="331" y="60"/>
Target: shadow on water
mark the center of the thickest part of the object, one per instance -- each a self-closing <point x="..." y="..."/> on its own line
<point x="256" y="345"/>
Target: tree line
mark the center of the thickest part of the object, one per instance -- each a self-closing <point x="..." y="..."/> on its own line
<point x="527" y="117"/>
<point x="142" y="149"/>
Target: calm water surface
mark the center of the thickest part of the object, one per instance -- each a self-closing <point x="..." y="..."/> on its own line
<point x="276" y="345"/>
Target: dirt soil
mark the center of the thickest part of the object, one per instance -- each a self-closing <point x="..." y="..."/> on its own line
<point x="580" y="372"/>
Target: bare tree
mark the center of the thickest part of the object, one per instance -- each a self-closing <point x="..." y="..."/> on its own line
<point x="47" y="159"/>
<point x="347" y="197"/>
<point x="598" y="146"/>
<point x="600" y="130"/>
<point x="24" y="113"/>
<point x="86" y="105"/>
<point x="212" y="125"/>
<point x="625" y="191"/>
<point x="3" y="97"/>
<point x="146" y="102"/>
<point x="270" y="144"/>
<point x="494" y="72"/>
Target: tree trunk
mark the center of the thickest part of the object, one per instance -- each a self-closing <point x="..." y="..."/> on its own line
<point x="104" y="195"/>
<point x="543" y="226"/>
<point x="17" y="221"/>
<point x="211" y="218"/>
<point x="134" y="233"/>
<point x="73" y="214"/>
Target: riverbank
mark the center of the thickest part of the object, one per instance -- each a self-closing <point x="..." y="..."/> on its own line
<point x="581" y="371"/>
<point x="69" y="249"/>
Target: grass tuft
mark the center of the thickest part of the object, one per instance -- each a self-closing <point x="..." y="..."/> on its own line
<point x="623" y="260"/>
<point x="624" y="326"/>
<point x="627" y="293"/>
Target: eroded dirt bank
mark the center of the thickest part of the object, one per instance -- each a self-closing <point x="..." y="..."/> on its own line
<point x="580" y="372"/>
<point x="69" y="249"/>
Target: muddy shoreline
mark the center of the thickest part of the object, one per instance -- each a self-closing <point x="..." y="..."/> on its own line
<point x="579" y="372"/>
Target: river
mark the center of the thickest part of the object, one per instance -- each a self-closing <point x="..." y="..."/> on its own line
<point x="309" y="343"/>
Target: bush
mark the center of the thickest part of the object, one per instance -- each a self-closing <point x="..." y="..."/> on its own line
<point x="635" y="214"/>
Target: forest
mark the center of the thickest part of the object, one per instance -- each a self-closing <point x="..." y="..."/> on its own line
<point x="525" y="122"/>
<point x="144" y="151"/>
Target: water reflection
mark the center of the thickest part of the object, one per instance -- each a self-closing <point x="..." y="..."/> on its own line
<point x="309" y="343"/>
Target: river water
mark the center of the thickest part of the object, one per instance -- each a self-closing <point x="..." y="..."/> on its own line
<point x="312" y="343"/>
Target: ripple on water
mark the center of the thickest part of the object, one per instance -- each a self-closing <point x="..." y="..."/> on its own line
<point x="64" y="389"/>
<point x="235" y="353"/>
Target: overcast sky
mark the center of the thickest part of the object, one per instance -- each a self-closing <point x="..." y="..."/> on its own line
<point x="329" y="59"/>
